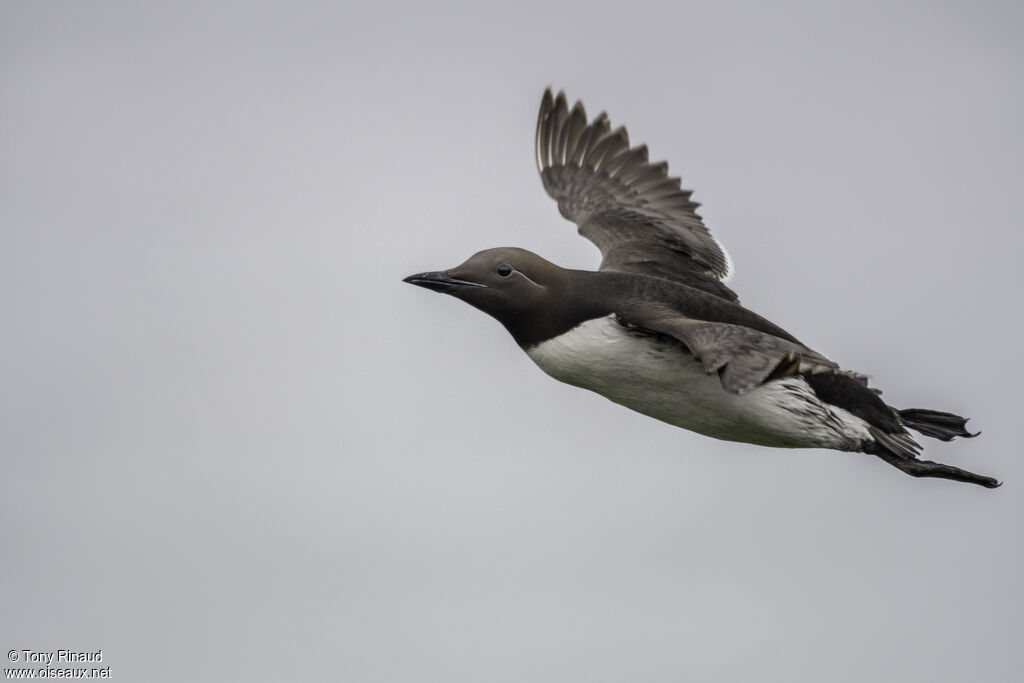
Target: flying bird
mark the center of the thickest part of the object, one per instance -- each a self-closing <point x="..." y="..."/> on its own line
<point x="657" y="330"/>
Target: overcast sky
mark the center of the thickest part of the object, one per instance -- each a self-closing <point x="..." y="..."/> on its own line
<point x="236" y="446"/>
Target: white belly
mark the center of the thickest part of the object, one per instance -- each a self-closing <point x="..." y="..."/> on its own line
<point x="657" y="377"/>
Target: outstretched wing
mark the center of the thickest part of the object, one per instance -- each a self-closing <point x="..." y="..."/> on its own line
<point x="744" y="358"/>
<point x="639" y="217"/>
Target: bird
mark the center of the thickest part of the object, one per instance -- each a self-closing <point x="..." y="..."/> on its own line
<point x="657" y="329"/>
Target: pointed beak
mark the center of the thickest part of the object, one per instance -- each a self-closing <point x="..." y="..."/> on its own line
<point x="439" y="281"/>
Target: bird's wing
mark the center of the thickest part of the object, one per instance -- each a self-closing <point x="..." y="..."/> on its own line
<point x="744" y="358"/>
<point x="631" y="209"/>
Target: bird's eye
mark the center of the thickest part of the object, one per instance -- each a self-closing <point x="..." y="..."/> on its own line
<point x="504" y="270"/>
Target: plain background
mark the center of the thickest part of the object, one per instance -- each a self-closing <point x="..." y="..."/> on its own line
<point x="235" y="446"/>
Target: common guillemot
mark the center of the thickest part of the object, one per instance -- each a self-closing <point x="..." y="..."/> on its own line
<point x="655" y="329"/>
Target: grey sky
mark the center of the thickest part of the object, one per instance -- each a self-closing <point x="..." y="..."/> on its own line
<point x="236" y="446"/>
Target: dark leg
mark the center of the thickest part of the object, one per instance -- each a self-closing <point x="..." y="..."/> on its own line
<point x="927" y="468"/>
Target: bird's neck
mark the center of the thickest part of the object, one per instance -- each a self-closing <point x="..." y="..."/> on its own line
<point x="581" y="296"/>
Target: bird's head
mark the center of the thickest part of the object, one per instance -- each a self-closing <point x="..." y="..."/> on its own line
<point x="521" y="290"/>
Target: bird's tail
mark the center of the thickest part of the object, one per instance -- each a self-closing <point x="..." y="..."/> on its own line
<point x="901" y="451"/>
<point x="942" y="426"/>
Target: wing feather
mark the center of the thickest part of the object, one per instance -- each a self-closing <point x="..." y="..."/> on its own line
<point x="743" y="357"/>
<point x="638" y="216"/>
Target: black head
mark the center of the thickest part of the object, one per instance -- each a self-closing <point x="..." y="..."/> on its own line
<point x="524" y="292"/>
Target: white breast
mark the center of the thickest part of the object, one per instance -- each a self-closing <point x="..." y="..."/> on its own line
<point x="656" y="376"/>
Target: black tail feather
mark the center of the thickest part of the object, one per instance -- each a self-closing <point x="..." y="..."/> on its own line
<point x="901" y="451"/>
<point x="938" y="425"/>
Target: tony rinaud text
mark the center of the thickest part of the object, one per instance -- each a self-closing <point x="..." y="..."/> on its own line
<point x="61" y="656"/>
